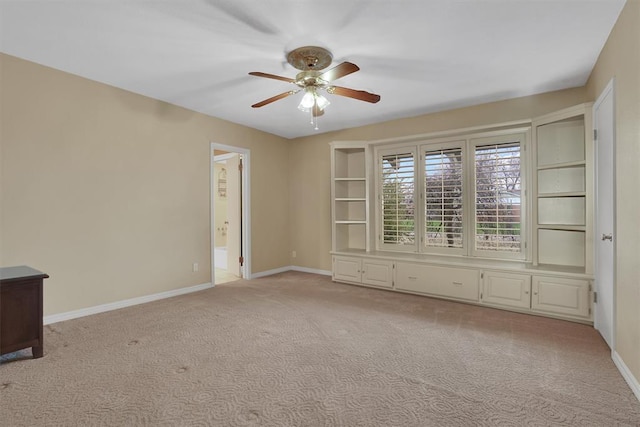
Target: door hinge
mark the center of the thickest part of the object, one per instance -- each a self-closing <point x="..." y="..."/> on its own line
<point x="241" y="259"/>
<point x="595" y="297"/>
<point x="595" y="134"/>
<point x="240" y="166"/>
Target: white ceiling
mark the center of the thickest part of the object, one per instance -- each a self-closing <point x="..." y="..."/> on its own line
<point x="420" y="56"/>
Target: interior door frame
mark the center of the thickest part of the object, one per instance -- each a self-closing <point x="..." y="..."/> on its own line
<point x="246" y="206"/>
<point x="609" y="88"/>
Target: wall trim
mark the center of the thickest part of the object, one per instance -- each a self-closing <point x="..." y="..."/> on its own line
<point x="60" y="317"/>
<point x="626" y="373"/>
<point x="270" y="272"/>
<point x="290" y="268"/>
<point x="311" y="270"/>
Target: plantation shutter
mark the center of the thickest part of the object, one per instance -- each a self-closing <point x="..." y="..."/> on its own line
<point x="443" y="198"/>
<point x="398" y="199"/>
<point x="498" y="198"/>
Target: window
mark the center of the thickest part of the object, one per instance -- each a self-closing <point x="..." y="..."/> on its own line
<point x="466" y="198"/>
<point x="443" y="201"/>
<point x="498" y="198"/>
<point x="398" y="199"/>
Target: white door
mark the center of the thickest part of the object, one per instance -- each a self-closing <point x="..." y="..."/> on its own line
<point x="234" y="215"/>
<point x="604" y="123"/>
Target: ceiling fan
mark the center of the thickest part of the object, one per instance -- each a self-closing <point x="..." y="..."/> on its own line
<point x="311" y="60"/>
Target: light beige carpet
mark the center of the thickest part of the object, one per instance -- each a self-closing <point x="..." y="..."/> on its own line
<point x="298" y="350"/>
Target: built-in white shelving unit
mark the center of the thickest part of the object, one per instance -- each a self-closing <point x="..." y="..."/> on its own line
<point x="554" y="280"/>
<point x="349" y="196"/>
<point x="563" y="165"/>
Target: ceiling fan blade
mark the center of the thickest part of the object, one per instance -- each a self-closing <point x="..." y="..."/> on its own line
<point x="274" y="98"/>
<point x="272" y="76"/>
<point x="355" y="94"/>
<point x="339" y="71"/>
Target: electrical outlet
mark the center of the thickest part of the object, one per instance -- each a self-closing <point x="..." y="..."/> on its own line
<point x="195" y="267"/>
<point x="294" y="254"/>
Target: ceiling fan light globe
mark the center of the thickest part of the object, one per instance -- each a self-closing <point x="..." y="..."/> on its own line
<point x="322" y="102"/>
<point x="307" y="101"/>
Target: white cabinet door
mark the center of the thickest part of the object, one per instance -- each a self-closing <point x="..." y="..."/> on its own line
<point x="347" y="269"/>
<point x="377" y="273"/>
<point x="450" y="282"/>
<point x="507" y="289"/>
<point x="561" y="296"/>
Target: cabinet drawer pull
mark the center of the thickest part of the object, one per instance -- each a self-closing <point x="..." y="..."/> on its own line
<point x="412" y="277"/>
<point x="457" y="283"/>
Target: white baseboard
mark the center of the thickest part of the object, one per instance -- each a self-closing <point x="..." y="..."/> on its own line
<point x="290" y="268"/>
<point x="60" y="317"/>
<point x="626" y="374"/>
<point x="311" y="270"/>
<point x="270" y="272"/>
<point x="121" y="304"/>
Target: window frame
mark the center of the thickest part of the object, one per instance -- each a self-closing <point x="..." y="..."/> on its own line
<point x="432" y="147"/>
<point x="468" y="143"/>
<point x="380" y="244"/>
<point x="503" y="139"/>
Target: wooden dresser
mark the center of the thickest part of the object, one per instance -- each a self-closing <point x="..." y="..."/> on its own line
<point x="21" y="309"/>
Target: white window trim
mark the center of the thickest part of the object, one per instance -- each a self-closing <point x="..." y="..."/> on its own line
<point x="443" y="145"/>
<point x="379" y="152"/>
<point x="522" y="139"/>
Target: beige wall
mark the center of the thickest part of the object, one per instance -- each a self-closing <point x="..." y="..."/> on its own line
<point x="108" y="191"/>
<point x="620" y="58"/>
<point x="309" y="158"/>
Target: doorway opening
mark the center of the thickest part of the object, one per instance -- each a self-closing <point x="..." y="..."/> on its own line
<point x="229" y="214"/>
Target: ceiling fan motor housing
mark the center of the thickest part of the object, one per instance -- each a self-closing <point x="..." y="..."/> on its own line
<point x="309" y="58"/>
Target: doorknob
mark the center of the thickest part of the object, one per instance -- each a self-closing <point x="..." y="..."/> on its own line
<point x="608" y="237"/>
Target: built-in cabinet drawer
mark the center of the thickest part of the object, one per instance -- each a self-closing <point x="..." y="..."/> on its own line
<point x="366" y="271"/>
<point x="560" y="296"/>
<point x="460" y="283"/>
<point x="508" y="289"/>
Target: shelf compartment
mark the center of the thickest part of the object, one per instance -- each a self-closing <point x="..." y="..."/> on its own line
<point x="350" y="189"/>
<point x="350" y="235"/>
<point x="351" y="211"/>
<point x="562" y="210"/>
<point x="561" y="142"/>
<point x="561" y="247"/>
<point x="561" y="180"/>
<point x="349" y="163"/>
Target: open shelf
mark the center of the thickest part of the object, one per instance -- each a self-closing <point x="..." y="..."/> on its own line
<point x="563" y="195"/>
<point x="349" y="163"/>
<point x="350" y="198"/>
